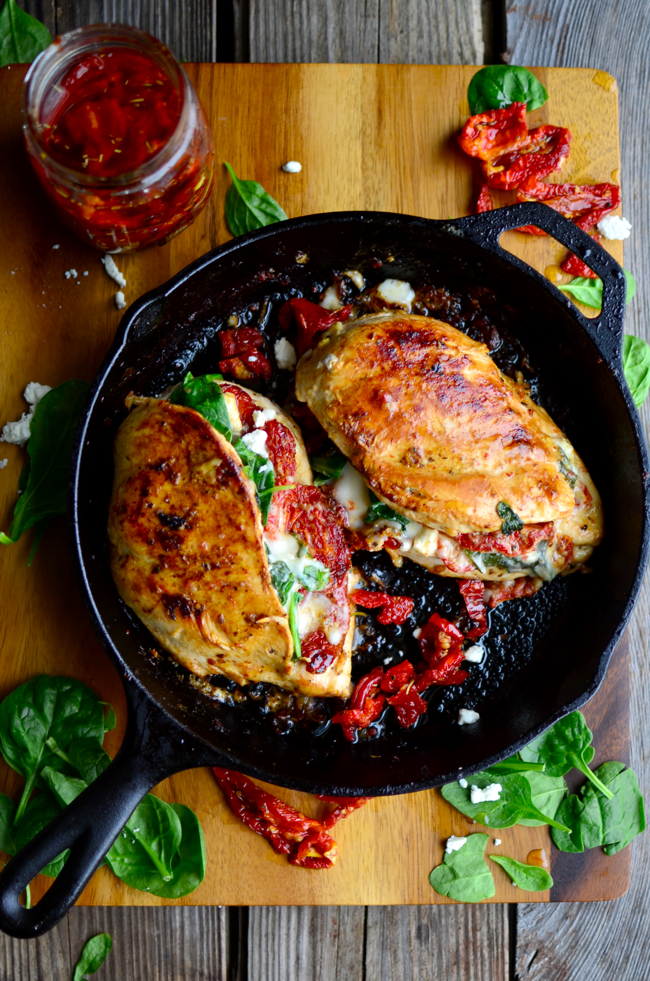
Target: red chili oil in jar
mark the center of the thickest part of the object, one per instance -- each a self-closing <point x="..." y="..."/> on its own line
<point x="117" y="137"/>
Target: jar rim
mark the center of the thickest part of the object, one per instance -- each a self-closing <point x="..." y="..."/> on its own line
<point x="58" y="58"/>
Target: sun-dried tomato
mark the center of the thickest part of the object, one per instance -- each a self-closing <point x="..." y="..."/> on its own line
<point x="484" y="201"/>
<point x="318" y="653"/>
<point x="311" y="320"/>
<point x="544" y="151"/>
<point x="445" y="672"/>
<point x="396" y="676"/>
<point x="281" y="448"/>
<point x="500" y="592"/>
<point x="344" y="806"/>
<point x="576" y="267"/>
<point x="499" y="131"/>
<point x="408" y="705"/>
<point x="516" y="543"/>
<point x="313" y="434"/>
<point x="439" y="637"/>
<point x="366" y="705"/>
<point x="395" y="609"/>
<point x="583" y="204"/>
<point x="473" y="593"/>
<point x="313" y="518"/>
<point x="245" y="404"/>
<point x="239" y="339"/>
<point x="247" y="365"/>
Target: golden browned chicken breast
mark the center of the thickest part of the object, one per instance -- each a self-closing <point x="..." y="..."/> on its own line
<point x="188" y="551"/>
<point x="491" y="486"/>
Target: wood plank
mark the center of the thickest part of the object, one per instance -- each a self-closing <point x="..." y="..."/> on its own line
<point x="428" y="944"/>
<point x="572" y="941"/>
<point x="189" y="29"/>
<point x="295" y="943"/>
<point x="360" y="31"/>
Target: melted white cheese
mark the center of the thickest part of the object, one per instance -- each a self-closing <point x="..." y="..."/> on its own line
<point x="350" y="490"/>
<point x="285" y="354"/>
<point x="256" y="442"/>
<point x="397" y="292"/>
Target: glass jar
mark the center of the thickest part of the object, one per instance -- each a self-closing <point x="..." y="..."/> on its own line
<point x="117" y="137"/>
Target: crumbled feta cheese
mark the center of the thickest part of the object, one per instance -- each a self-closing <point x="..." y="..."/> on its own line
<point x="3" y="463"/>
<point x="56" y="246"/>
<point x="480" y="795"/>
<point x="285" y="354"/>
<point x="426" y="541"/>
<point x="262" y="416"/>
<point x="397" y="292"/>
<point x="467" y="716"/>
<point x="474" y="654"/>
<point x="334" y="635"/>
<point x="256" y="442"/>
<point x="614" y="228"/>
<point x="497" y="841"/>
<point x="356" y="278"/>
<point x="417" y="632"/>
<point x="463" y="783"/>
<point x="292" y="167"/>
<point x="350" y="490"/>
<point x="19" y="432"/>
<point x="330" y="362"/>
<point x="120" y="302"/>
<point x="331" y="299"/>
<point x="70" y="274"/>
<point x="454" y="843"/>
<point x="108" y="263"/>
<point x="85" y="272"/>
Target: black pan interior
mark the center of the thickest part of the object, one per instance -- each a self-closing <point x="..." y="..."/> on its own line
<point x="174" y="328"/>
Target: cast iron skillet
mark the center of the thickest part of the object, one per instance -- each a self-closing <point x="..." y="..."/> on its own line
<point x="169" y="729"/>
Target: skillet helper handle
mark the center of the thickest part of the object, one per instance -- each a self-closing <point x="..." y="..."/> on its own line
<point x="488" y="227"/>
<point x="90" y="824"/>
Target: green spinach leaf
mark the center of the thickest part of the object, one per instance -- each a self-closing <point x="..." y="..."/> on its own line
<point x="597" y="821"/>
<point x="464" y="874"/>
<point x="562" y="747"/>
<point x="379" y="510"/>
<point x="282" y="579"/>
<point x="514" y="765"/>
<point x="590" y="291"/>
<point x="205" y="396"/>
<point x="188" y="864"/>
<point x="7" y="811"/>
<point x="58" y="709"/>
<point x="260" y="470"/>
<point x="38" y="814"/>
<point x="249" y="206"/>
<point x="497" y="86"/>
<point x="547" y="794"/>
<point x="22" y="37"/>
<point x="636" y="367"/>
<point x="142" y="853"/>
<point x="529" y="877"/>
<point x="329" y="467"/>
<point x="515" y="800"/>
<point x="44" y="481"/>
<point x="95" y="952"/>
<point x="509" y="520"/>
<point x="292" y="614"/>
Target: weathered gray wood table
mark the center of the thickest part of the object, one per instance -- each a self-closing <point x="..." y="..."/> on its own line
<point x="570" y="942"/>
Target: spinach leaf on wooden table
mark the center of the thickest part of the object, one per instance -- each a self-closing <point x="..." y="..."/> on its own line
<point x="44" y="480"/>
<point x="249" y="206"/>
<point x="636" y="367"/>
<point x="529" y="877"/>
<point x="59" y="709"/>
<point x="515" y="800"/>
<point x="22" y="37"/>
<point x="562" y="747"/>
<point x="464" y="874"/>
<point x="95" y="952"/>
<point x="498" y="86"/>
<point x="597" y="821"/>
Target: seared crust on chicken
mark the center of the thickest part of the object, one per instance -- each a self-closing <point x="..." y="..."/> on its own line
<point x="438" y="432"/>
<point x="187" y="553"/>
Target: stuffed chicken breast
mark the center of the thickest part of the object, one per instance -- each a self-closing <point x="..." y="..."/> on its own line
<point x="223" y="548"/>
<point x="481" y="482"/>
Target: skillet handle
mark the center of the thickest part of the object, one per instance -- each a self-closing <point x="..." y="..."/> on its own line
<point x="90" y="824"/>
<point x="486" y="229"/>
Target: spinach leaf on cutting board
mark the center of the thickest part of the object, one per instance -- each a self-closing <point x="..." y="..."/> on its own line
<point x="515" y="800"/>
<point x="464" y="874"/>
<point x="529" y="877"/>
<point x="597" y="821"/>
<point x="498" y="86"/>
<point x="249" y="206"/>
<point x="563" y="747"/>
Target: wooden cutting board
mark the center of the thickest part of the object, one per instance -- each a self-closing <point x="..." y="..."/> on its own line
<point x="368" y="137"/>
